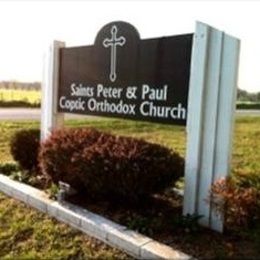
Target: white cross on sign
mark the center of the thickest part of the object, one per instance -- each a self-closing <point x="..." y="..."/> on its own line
<point x="113" y="42"/>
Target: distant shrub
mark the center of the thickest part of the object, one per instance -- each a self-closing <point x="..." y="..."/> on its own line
<point x="254" y="106"/>
<point x="109" y="166"/>
<point x="19" y="103"/>
<point x="240" y="205"/>
<point x="24" y="148"/>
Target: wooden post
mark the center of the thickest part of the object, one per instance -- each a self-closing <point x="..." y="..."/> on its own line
<point x="211" y="108"/>
<point x="50" y="118"/>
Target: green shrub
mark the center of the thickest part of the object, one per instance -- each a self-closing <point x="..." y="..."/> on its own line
<point x="255" y="106"/>
<point x="140" y="224"/>
<point x="19" y="103"/>
<point x="189" y="223"/>
<point x="24" y="148"/>
<point x="109" y="166"/>
<point x="9" y="168"/>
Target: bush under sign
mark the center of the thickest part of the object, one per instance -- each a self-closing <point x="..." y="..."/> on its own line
<point x="123" y="76"/>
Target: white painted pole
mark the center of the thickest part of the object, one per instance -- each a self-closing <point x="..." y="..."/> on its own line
<point x="226" y="114"/>
<point x="50" y="118"/>
<point x="211" y="109"/>
<point x="195" y="117"/>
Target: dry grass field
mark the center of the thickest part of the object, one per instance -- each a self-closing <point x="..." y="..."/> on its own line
<point x="30" y="96"/>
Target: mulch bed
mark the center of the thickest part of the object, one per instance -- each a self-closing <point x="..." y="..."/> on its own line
<point x="161" y="219"/>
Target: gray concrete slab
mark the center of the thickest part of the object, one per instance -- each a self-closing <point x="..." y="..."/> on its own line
<point x="32" y="114"/>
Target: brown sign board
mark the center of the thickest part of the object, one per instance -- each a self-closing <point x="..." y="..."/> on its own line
<point x="126" y="77"/>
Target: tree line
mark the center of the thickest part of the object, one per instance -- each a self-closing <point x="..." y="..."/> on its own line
<point x="15" y="85"/>
<point x="243" y="95"/>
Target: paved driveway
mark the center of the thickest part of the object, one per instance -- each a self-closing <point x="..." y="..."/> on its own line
<point x="28" y="114"/>
<point x="34" y="114"/>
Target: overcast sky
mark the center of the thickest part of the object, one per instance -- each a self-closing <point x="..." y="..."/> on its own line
<point x="27" y="28"/>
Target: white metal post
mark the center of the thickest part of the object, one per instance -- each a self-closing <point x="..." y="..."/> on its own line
<point x="211" y="107"/>
<point x="50" y="118"/>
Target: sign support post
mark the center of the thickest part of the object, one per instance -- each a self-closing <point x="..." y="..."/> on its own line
<point x="211" y="106"/>
<point x="50" y="118"/>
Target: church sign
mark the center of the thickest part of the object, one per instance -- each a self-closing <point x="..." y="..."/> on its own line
<point x="124" y="76"/>
<point x="188" y="79"/>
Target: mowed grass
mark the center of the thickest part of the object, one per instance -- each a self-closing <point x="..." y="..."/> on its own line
<point x="31" y="96"/>
<point x="246" y="148"/>
<point x="171" y="136"/>
<point x="28" y="234"/>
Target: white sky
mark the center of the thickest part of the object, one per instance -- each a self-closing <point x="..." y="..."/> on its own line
<point x="27" y="28"/>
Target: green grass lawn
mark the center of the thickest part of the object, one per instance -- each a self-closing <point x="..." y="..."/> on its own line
<point x="246" y="150"/>
<point x="26" y="233"/>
